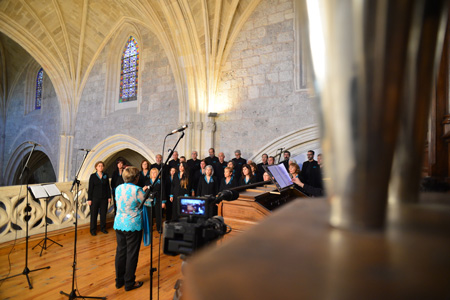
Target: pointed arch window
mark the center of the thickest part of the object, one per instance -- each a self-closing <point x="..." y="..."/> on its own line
<point x="39" y="79"/>
<point x="129" y="71"/>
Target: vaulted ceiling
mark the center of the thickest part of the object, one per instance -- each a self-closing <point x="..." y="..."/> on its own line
<point x="66" y="37"/>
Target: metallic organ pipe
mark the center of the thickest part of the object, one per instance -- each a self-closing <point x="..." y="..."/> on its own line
<point x="362" y="54"/>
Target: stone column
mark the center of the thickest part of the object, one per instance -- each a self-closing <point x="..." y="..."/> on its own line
<point x="65" y="154"/>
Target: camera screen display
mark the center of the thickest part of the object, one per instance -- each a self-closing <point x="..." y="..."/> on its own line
<point x="192" y="207"/>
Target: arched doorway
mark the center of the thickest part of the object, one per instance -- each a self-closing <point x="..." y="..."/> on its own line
<point x="131" y="157"/>
<point x="40" y="170"/>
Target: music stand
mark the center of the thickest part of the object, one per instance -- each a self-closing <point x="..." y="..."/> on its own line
<point x="26" y="270"/>
<point x="45" y="191"/>
<point x="279" y="176"/>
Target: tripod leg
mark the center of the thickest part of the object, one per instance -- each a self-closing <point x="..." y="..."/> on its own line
<point x="53" y="242"/>
<point x="29" y="282"/>
<point x="37" y="245"/>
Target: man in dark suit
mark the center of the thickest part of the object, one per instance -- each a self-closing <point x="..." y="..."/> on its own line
<point x="238" y="162"/>
<point x="287" y="157"/>
<point x="316" y="174"/>
<point x="194" y="167"/>
<point x="220" y="166"/>
<point x="175" y="162"/>
<point x="157" y="164"/>
<point x="309" y="167"/>
<point x="260" y="168"/>
<point x="212" y="159"/>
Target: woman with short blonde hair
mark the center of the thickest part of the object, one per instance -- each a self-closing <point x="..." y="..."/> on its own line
<point x="128" y="227"/>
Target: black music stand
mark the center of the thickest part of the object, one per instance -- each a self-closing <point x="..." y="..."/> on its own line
<point x="26" y="270"/>
<point x="45" y="191"/>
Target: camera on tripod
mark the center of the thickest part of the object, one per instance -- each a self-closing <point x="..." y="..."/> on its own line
<point x="197" y="223"/>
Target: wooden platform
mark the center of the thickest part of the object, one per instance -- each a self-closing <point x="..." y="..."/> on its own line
<point x="95" y="274"/>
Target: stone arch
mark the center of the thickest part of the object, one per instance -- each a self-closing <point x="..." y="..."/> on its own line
<point x="297" y="142"/>
<point x="109" y="147"/>
<point x="39" y="157"/>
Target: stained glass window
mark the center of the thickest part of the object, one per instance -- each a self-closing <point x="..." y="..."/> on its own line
<point x="39" y="77"/>
<point x="129" y="71"/>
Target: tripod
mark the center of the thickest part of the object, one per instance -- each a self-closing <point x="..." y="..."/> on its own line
<point x="27" y="271"/>
<point x="44" y="241"/>
<point x="73" y="292"/>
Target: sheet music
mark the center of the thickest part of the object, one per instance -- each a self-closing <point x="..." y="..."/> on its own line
<point x="38" y="191"/>
<point x="44" y="191"/>
<point x="52" y="190"/>
<point x="281" y="175"/>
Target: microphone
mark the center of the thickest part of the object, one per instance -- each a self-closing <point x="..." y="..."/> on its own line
<point x="88" y="150"/>
<point x="227" y="195"/>
<point x="33" y="143"/>
<point x="182" y="128"/>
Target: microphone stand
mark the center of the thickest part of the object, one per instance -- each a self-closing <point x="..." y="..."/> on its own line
<point x="279" y="154"/>
<point x="150" y="193"/>
<point x="26" y="271"/>
<point x="73" y="292"/>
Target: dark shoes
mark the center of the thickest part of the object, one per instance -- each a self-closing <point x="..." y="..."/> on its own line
<point x="118" y="286"/>
<point x="136" y="285"/>
<point x="104" y="231"/>
<point x="93" y="233"/>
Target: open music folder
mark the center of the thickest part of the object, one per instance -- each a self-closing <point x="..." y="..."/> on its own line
<point x="44" y="191"/>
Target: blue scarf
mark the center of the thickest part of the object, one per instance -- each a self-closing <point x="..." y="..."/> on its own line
<point x="146" y="225"/>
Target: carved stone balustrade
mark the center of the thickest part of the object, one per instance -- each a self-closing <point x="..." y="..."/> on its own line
<point x="60" y="214"/>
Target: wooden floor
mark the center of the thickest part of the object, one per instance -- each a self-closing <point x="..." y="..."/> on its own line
<point x="95" y="274"/>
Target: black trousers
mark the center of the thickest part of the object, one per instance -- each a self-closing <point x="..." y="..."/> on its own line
<point x="127" y="254"/>
<point x="98" y="205"/>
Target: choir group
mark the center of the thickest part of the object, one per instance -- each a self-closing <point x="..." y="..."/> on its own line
<point x="181" y="177"/>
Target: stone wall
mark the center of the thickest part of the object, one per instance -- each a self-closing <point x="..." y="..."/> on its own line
<point x="257" y="101"/>
<point x="158" y="110"/>
<point x="40" y="126"/>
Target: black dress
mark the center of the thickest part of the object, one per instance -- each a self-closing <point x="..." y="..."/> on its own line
<point x="207" y="188"/>
<point x="225" y="186"/>
<point x="144" y="179"/>
<point x="178" y="190"/>
<point x="196" y="179"/>
<point x="99" y="192"/>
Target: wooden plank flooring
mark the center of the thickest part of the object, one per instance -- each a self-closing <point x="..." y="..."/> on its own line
<point x="95" y="274"/>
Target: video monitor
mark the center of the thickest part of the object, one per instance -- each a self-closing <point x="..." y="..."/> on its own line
<point x="192" y="207"/>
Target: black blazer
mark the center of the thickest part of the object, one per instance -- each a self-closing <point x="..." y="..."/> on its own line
<point x="252" y="180"/>
<point x="144" y="180"/>
<point x="116" y="180"/>
<point x="225" y="186"/>
<point x="238" y="163"/>
<point x="99" y="188"/>
<point x="204" y="188"/>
